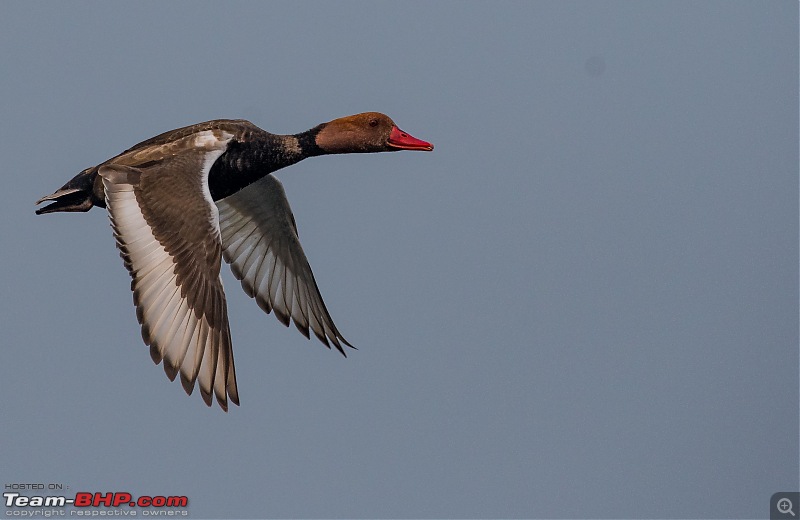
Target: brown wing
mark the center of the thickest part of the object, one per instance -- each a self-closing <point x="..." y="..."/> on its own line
<point x="166" y="227"/>
<point x="260" y="241"/>
<point x="241" y="129"/>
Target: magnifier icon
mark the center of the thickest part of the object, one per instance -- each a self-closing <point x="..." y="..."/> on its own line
<point x="784" y="506"/>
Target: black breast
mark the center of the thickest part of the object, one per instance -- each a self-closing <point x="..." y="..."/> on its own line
<point x="243" y="163"/>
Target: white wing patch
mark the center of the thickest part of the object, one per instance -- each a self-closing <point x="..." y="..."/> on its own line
<point x="216" y="146"/>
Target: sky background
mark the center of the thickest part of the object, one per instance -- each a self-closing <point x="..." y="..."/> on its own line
<point x="582" y="304"/>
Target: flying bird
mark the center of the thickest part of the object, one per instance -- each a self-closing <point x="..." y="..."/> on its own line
<point x="183" y="200"/>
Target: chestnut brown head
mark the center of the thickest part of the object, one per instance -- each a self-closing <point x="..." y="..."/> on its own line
<point x="365" y="133"/>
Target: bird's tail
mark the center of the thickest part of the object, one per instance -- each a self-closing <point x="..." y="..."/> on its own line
<point x="79" y="194"/>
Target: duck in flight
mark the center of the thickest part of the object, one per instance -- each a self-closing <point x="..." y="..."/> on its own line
<point x="183" y="200"/>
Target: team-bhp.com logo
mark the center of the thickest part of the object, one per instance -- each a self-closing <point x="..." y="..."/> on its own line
<point x="118" y="499"/>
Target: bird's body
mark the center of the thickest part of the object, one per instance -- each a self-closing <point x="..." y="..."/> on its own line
<point x="181" y="201"/>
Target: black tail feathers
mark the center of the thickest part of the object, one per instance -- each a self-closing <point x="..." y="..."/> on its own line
<point x="76" y="195"/>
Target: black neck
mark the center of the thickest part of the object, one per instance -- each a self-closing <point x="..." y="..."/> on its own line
<point x="243" y="163"/>
<point x="308" y="142"/>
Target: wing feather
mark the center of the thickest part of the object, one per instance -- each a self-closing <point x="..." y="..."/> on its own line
<point x="260" y="242"/>
<point x="167" y="230"/>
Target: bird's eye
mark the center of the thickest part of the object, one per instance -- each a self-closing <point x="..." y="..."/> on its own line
<point x="373" y="122"/>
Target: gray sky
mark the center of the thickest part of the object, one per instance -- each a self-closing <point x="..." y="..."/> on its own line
<point x="583" y="303"/>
